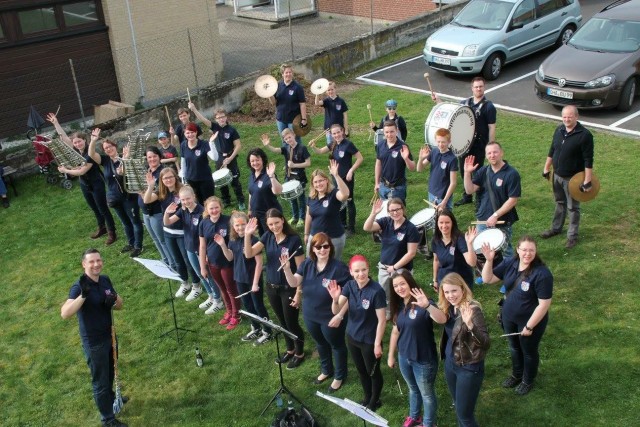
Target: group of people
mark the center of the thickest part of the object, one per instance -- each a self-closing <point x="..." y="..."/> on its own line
<point x="344" y="309"/>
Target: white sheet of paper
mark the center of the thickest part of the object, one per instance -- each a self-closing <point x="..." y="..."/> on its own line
<point x="159" y="268"/>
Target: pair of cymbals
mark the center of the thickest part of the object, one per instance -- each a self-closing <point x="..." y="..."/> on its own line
<point x="298" y="128"/>
<point x="266" y="86"/>
<point x="319" y="87"/>
<point x="574" y="187"/>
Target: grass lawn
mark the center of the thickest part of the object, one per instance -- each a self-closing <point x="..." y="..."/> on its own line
<point x="590" y="362"/>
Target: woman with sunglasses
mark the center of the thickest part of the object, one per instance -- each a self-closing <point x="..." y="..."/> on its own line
<point x="399" y="238"/>
<point x="323" y="208"/>
<point x="452" y="250"/>
<point x="327" y="329"/>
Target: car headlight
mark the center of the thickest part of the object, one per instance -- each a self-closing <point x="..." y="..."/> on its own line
<point x="427" y="45"/>
<point x="540" y="73"/>
<point x="603" y="81"/>
<point x="470" y="50"/>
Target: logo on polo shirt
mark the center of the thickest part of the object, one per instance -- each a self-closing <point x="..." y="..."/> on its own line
<point x="338" y="107"/>
<point x="325" y="203"/>
<point x="198" y="152"/>
<point x="325" y="282"/>
<point x="443" y="165"/>
<point x="227" y="135"/>
<point x="498" y="182"/>
<point x="394" y="154"/>
<point x="341" y="154"/>
<point x="365" y="304"/>
<point x="452" y="250"/>
<point x="195" y="220"/>
<point x="291" y="91"/>
<point x="259" y="184"/>
<point x="176" y="200"/>
<point x="400" y="236"/>
<point x="223" y="232"/>
<point x="412" y="313"/>
<point x="284" y="251"/>
<point x="524" y="286"/>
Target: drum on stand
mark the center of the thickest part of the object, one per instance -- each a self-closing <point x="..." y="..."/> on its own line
<point x="291" y="190"/>
<point x="497" y="241"/>
<point x="222" y="177"/>
<point x="458" y="119"/>
<point x="424" y="220"/>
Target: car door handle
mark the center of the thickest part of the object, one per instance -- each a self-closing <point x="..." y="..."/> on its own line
<point x="564" y="13"/>
<point x="536" y="26"/>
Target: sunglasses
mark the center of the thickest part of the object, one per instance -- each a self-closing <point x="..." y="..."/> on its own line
<point x="325" y="246"/>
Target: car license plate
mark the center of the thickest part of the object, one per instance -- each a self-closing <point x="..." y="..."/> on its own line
<point x="442" y="61"/>
<point x="560" y="93"/>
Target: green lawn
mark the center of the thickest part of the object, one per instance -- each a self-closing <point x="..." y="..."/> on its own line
<point x="589" y="357"/>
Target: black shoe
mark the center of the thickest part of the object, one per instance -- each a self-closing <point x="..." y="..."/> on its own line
<point x="463" y="201"/>
<point x="295" y="362"/>
<point x="571" y="242"/>
<point x="511" y="382"/>
<point x="332" y="390"/>
<point x="135" y="252"/>
<point x="284" y="358"/>
<point x="374" y="407"/>
<point x="549" y="233"/>
<point x="316" y="381"/>
<point x="523" y="388"/>
<point x="125" y="249"/>
<point x="125" y="399"/>
<point x="114" y="423"/>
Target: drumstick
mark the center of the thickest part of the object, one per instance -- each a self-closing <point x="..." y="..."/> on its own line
<point x="188" y="95"/>
<point x="166" y="110"/>
<point x="57" y="111"/>
<point x="314" y="140"/>
<point x="290" y="256"/>
<point x="241" y="295"/>
<point x="426" y="76"/>
<point x="509" y="335"/>
<point x="485" y="222"/>
<point x="370" y="119"/>
<point x="430" y="204"/>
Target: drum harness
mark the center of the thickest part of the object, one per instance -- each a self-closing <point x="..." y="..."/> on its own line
<point x="477" y="111"/>
<point x="489" y="190"/>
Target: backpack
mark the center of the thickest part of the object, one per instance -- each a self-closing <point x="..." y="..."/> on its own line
<point x="289" y="417"/>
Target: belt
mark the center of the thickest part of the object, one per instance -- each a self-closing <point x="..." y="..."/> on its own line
<point x="389" y="184"/>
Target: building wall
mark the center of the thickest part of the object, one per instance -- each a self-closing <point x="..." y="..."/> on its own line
<point x="389" y="10"/>
<point x="163" y="57"/>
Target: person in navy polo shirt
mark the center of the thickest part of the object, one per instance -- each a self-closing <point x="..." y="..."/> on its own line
<point x="196" y="169"/>
<point x="323" y="209"/>
<point x="399" y="238"/>
<point x="281" y="239"/>
<point x="442" y="175"/>
<point x="528" y="286"/>
<point x="365" y="302"/>
<point x="92" y="298"/>
<point x="412" y="336"/>
<point x="289" y="101"/>
<point x="177" y="133"/>
<point x="503" y="181"/>
<point x="393" y="157"/>
<point x="263" y="187"/>
<point x="335" y="110"/>
<point x="343" y="151"/>
<point x="452" y="250"/>
<point x="228" y="146"/>
<point x="326" y="328"/>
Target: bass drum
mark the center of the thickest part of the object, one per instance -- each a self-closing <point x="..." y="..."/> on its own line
<point x="458" y="119"/>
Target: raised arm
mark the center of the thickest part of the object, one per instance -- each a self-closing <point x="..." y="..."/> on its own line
<point x="199" y="115"/>
<point x="95" y="135"/>
<point x="63" y="135"/>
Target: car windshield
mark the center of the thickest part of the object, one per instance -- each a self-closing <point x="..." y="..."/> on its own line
<point x="608" y="35"/>
<point x="484" y="14"/>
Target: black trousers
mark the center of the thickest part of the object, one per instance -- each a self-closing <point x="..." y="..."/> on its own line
<point x="235" y="184"/>
<point x="368" y="368"/>
<point x="287" y="316"/>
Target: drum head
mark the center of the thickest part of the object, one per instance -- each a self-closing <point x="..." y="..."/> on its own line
<point x="423" y="217"/>
<point x="220" y="173"/>
<point x="493" y="236"/>
<point x="458" y="119"/>
<point x="290" y="185"/>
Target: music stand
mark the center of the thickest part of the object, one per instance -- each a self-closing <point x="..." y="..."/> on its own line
<point x="356" y="409"/>
<point x="161" y="270"/>
<point x="276" y="330"/>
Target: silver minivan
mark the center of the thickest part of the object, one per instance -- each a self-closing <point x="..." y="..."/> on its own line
<point x="487" y="34"/>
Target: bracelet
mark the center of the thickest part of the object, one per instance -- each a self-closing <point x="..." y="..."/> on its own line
<point x="528" y="328"/>
<point x="427" y="307"/>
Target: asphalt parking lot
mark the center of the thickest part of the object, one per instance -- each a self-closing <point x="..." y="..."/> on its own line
<point x="512" y="91"/>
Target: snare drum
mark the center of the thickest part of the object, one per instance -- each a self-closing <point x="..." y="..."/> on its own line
<point x="378" y="137"/>
<point x="458" y="119"/>
<point x="222" y="177"/>
<point x="495" y="237"/>
<point x="291" y="189"/>
<point x="425" y="219"/>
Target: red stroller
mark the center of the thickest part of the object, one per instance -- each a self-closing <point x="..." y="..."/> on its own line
<point x="47" y="164"/>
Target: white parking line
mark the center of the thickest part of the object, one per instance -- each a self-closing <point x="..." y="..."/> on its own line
<point x="510" y="81"/>
<point x="626" y="119"/>
<point x="391" y="66"/>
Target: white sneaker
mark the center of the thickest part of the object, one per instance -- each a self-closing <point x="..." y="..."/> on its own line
<point x="216" y="306"/>
<point x="206" y="304"/>
<point x="183" y="290"/>
<point x="252" y="335"/>
<point x="195" y="293"/>
<point x="265" y="337"/>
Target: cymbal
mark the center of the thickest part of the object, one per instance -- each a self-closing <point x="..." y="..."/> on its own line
<point x="266" y="86"/>
<point x="297" y="126"/>
<point x="320" y="86"/>
<point x="574" y="187"/>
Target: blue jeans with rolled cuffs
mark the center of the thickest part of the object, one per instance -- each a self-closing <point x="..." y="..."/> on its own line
<point x="177" y="250"/>
<point x="154" y="226"/>
<point x="399" y="191"/>
<point x="464" y="385"/>
<point x="421" y="377"/>
<point x="208" y="282"/>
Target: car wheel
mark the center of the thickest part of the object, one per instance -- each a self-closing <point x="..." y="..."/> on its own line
<point x="565" y="35"/>
<point x="492" y="68"/>
<point x="627" y="95"/>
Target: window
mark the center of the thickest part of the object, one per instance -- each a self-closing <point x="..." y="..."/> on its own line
<point x="525" y="13"/>
<point x="82" y="13"/>
<point x="546" y="7"/>
<point x="37" y="20"/>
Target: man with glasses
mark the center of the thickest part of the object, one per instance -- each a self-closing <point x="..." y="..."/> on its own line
<point x="392" y="107"/>
<point x="228" y="146"/>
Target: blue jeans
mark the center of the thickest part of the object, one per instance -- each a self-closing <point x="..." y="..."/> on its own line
<point x="3" y="188"/>
<point x="175" y="245"/>
<point x="129" y="214"/>
<point x="254" y="303"/>
<point x="437" y="200"/>
<point x="525" y="358"/>
<point x="208" y="283"/>
<point x="330" y="340"/>
<point x="399" y="191"/>
<point x="508" y="251"/>
<point x="299" y="205"/>
<point x="154" y="227"/>
<point x="100" y="361"/>
<point x="282" y="126"/>
<point x="420" y="378"/>
<point x="464" y="386"/>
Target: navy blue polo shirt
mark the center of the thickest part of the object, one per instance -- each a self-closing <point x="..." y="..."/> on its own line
<point x="416" y="341"/>
<point x="505" y="184"/>
<point x="243" y="268"/>
<point x="261" y="192"/>
<point x="152" y="208"/>
<point x="179" y="131"/>
<point x="334" y="110"/>
<point x="523" y="292"/>
<point x="325" y="215"/>
<point x="208" y="229"/>
<point x="442" y="164"/>
<point x="224" y="141"/>
<point x="485" y="115"/>
<point x="94" y="318"/>
<point x="393" y="166"/>
<point x="92" y="177"/>
<point x="115" y="182"/>
<point x="288" y="99"/>
<point x="196" y="161"/>
<point x="190" y="225"/>
<point x="394" y="241"/>
<point x="343" y="154"/>
<point x="363" y="304"/>
<point x="316" y="304"/>
<point x="290" y="245"/>
<point x="164" y="204"/>
<point x="300" y="155"/>
<point x="451" y="259"/>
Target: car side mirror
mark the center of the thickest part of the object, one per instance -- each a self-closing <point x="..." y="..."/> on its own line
<point x="516" y="26"/>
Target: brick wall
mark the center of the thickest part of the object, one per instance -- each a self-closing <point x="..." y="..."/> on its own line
<point x="388" y="10"/>
<point x="163" y="49"/>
